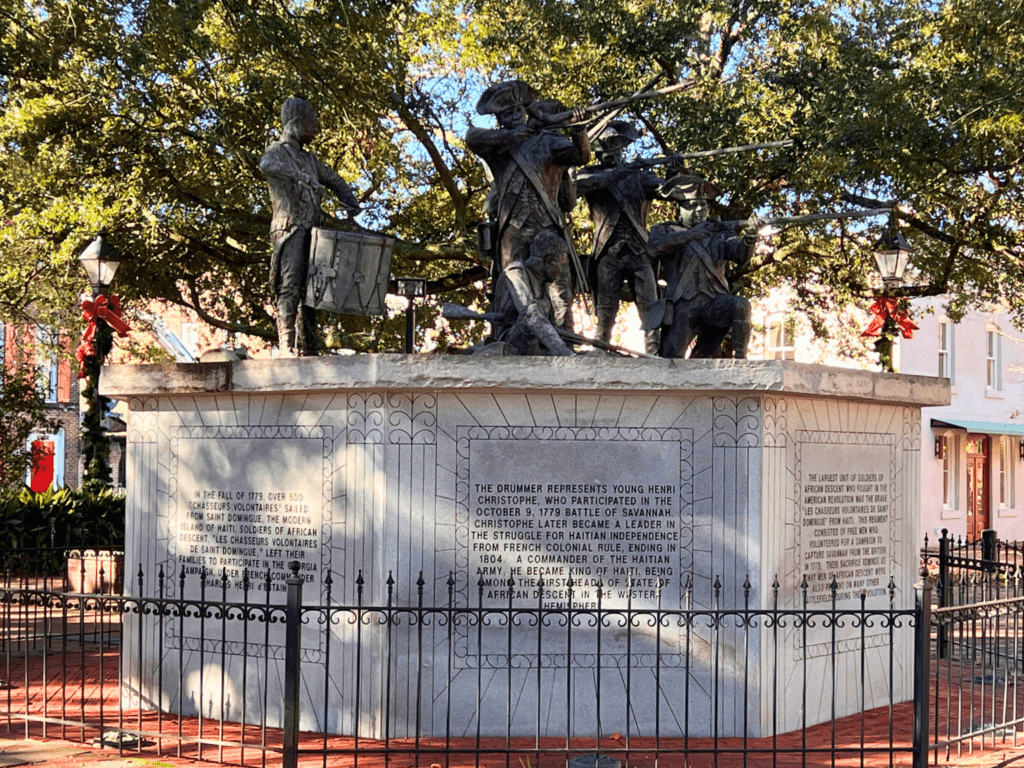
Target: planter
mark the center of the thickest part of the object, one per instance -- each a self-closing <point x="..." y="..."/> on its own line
<point x="87" y="568"/>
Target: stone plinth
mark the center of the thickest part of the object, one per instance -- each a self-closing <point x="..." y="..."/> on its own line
<point x="491" y="469"/>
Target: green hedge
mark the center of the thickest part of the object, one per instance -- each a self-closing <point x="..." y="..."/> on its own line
<point x="66" y="517"/>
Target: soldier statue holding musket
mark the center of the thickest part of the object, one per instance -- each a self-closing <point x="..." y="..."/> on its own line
<point x="699" y="306"/>
<point x="297" y="181"/>
<point x="620" y="198"/>
<point x="528" y="163"/>
<point x="698" y="303"/>
<point x="524" y="312"/>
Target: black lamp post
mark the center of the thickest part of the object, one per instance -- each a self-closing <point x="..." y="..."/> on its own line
<point x="892" y="255"/>
<point x="100" y="261"/>
<point x="412" y="288"/>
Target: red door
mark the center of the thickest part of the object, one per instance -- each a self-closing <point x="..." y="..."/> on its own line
<point x="41" y="474"/>
<point x="977" y="486"/>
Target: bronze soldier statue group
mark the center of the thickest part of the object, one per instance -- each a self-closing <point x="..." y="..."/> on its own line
<point x="537" y="172"/>
<point x="533" y="189"/>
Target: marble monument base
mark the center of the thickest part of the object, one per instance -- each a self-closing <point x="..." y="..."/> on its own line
<point x="487" y="475"/>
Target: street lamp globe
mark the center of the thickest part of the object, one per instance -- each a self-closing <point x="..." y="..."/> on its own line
<point x="100" y="260"/>
<point x="892" y="254"/>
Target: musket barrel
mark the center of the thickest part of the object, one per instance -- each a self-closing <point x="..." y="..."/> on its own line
<point x="651" y="161"/>
<point x="562" y="117"/>
<point x="806" y="219"/>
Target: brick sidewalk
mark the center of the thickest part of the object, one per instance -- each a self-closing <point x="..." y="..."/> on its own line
<point x="69" y="754"/>
<point x="86" y="690"/>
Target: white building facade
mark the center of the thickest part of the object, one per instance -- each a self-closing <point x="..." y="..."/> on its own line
<point x="972" y="473"/>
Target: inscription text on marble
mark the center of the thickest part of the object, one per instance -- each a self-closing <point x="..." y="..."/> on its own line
<point x="599" y="512"/>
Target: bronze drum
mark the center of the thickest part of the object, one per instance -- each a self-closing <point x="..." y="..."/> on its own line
<point x="348" y="272"/>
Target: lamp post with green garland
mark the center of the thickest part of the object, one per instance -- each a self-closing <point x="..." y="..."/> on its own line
<point x="100" y="260"/>
<point x="892" y="255"/>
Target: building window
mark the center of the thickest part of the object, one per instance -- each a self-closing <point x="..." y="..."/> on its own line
<point x="946" y="350"/>
<point x="993" y="363"/>
<point x="46" y="363"/>
<point x="1004" y="485"/>
<point x="780" y="338"/>
<point x="949" y="472"/>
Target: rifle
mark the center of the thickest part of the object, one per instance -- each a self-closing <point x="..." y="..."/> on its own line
<point x="563" y="118"/>
<point x="808" y="218"/>
<point x="451" y="311"/>
<point x="677" y="239"/>
<point x="650" y="162"/>
<point x="782" y="221"/>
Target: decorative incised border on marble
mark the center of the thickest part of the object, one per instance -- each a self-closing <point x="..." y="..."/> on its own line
<point x="467" y="653"/>
<point x="324" y="433"/>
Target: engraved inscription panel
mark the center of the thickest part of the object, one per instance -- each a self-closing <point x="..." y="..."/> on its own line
<point x="553" y="505"/>
<point x="845" y="513"/>
<point x="248" y="501"/>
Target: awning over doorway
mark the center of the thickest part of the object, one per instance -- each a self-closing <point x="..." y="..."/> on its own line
<point x="980" y="427"/>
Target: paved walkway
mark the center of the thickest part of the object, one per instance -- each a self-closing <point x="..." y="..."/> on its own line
<point x="93" y="697"/>
<point x="67" y="754"/>
<point x="84" y="686"/>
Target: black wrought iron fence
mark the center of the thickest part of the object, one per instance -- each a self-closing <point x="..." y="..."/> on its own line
<point x="249" y="671"/>
<point x="967" y="572"/>
<point x="94" y="667"/>
<point x="977" y="664"/>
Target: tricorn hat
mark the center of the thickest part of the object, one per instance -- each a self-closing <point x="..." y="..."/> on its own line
<point x="683" y="186"/>
<point x="502" y="96"/>
<point x="618" y="134"/>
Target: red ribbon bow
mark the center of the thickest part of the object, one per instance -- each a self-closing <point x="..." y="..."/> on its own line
<point x="106" y="308"/>
<point x="883" y="309"/>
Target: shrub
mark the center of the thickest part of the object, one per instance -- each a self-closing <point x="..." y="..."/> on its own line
<point x="64" y="517"/>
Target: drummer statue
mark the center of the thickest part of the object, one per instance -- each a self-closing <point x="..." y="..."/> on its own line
<point x="297" y="181"/>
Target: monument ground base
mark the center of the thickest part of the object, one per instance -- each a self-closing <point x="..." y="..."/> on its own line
<point x="612" y="496"/>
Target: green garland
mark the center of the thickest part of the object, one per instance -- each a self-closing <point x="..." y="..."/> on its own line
<point x="95" y="442"/>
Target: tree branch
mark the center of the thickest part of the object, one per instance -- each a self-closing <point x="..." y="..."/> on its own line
<point x="916" y="223"/>
<point x="443" y="172"/>
<point x="653" y="131"/>
<point x="216" y="322"/>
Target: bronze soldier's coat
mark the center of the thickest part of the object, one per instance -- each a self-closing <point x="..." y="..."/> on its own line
<point x="295" y="202"/>
<point x="620" y="198"/>
<point x="698" y="267"/>
<point x="618" y="206"/>
<point x="698" y="302"/>
<point x="528" y="167"/>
